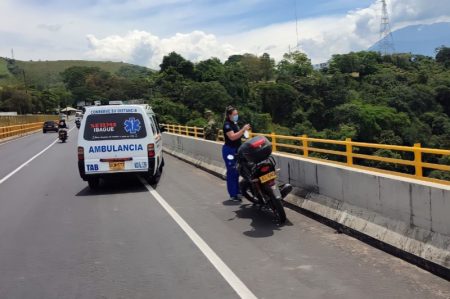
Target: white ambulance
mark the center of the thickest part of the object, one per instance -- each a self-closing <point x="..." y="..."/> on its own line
<point x="119" y="139"/>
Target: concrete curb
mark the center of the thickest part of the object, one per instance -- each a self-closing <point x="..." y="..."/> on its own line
<point x="381" y="232"/>
<point x="214" y="170"/>
<point x="7" y="139"/>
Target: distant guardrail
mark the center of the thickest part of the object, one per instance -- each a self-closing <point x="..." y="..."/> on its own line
<point x="11" y="120"/>
<point x="347" y="152"/>
<point x="11" y="126"/>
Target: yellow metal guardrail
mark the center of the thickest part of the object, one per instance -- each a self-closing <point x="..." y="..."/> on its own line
<point x="346" y="150"/>
<point x="21" y="124"/>
<point x="185" y="130"/>
<point x="11" y="120"/>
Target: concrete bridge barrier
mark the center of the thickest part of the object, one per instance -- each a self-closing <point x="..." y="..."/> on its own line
<point x="409" y="215"/>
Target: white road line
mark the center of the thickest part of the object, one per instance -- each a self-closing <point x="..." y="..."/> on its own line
<point x="27" y="162"/>
<point x="234" y="281"/>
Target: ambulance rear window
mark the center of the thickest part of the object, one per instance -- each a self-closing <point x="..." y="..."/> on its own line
<point x="115" y="126"/>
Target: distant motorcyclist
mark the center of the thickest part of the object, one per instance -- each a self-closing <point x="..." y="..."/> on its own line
<point x="62" y="124"/>
<point x="62" y="130"/>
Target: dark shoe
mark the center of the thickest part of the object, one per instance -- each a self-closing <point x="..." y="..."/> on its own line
<point x="235" y="198"/>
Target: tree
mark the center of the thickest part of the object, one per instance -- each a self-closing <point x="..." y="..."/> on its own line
<point x="370" y="120"/>
<point x="210" y="70"/>
<point x="267" y="66"/>
<point x="15" y="100"/>
<point x="206" y="95"/>
<point x="278" y="99"/>
<point x="295" y="64"/>
<point x="443" y="56"/>
<point x="443" y="97"/>
<point x="252" y="66"/>
<point x="177" y="62"/>
<point x="170" y="112"/>
<point x="236" y="82"/>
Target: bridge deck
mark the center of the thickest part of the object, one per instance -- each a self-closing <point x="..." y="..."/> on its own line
<point x="60" y="240"/>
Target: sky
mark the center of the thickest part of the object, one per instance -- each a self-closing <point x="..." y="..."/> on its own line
<point x="143" y="31"/>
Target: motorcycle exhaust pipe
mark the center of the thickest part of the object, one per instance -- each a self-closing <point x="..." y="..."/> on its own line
<point x="285" y="190"/>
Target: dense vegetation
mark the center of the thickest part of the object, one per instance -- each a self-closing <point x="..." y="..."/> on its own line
<point x="394" y="99"/>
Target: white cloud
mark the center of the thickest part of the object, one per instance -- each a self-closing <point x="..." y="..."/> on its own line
<point x="320" y="37"/>
<point x="109" y="23"/>
<point x="144" y="48"/>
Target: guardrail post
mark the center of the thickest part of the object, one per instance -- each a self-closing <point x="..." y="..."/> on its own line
<point x="195" y="132"/>
<point x="179" y="129"/>
<point x="349" y="149"/>
<point x="418" y="160"/>
<point x="305" y="145"/>
<point x="274" y="142"/>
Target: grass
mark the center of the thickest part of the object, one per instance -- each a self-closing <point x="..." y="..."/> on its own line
<point x="6" y="77"/>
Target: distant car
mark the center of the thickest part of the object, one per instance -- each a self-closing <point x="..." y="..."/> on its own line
<point x="50" y="126"/>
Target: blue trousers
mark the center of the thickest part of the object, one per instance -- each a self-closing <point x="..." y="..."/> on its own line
<point x="232" y="173"/>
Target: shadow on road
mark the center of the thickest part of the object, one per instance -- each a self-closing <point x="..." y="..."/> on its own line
<point x="122" y="184"/>
<point x="263" y="222"/>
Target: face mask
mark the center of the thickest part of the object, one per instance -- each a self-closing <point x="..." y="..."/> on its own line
<point x="235" y="118"/>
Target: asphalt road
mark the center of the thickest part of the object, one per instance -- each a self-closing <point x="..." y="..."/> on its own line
<point x="58" y="239"/>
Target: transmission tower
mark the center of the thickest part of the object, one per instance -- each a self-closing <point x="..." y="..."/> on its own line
<point x="386" y="43"/>
<point x="296" y="26"/>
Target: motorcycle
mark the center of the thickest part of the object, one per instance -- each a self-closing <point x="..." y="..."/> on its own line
<point x="78" y="123"/>
<point x="62" y="135"/>
<point x="257" y="167"/>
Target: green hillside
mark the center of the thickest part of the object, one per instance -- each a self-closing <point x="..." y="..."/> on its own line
<point x="46" y="73"/>
<point x="5" y="76"/>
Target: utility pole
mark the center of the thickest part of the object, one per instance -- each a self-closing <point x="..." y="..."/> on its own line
<point x="12" y="53"/>
<point x="25" y="81"/>
<point x="386" y="43"/>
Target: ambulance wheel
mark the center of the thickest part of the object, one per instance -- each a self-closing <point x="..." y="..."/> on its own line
<point x="154" y="179"/>
<point x="161" y="167"/>
<point x="94" y="183"/>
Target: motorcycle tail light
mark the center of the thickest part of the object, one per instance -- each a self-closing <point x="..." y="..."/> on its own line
<point x="257" y="144"/>
<point x="265" y="168"/>
<point x="80" y="153"/>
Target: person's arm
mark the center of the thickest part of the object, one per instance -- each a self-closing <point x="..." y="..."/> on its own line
<point x="235" y="136"/>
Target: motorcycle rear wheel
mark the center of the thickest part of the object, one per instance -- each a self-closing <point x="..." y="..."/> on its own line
<point x="276" y="206"/>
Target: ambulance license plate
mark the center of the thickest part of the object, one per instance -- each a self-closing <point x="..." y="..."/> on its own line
<point x="116" y="166"/>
